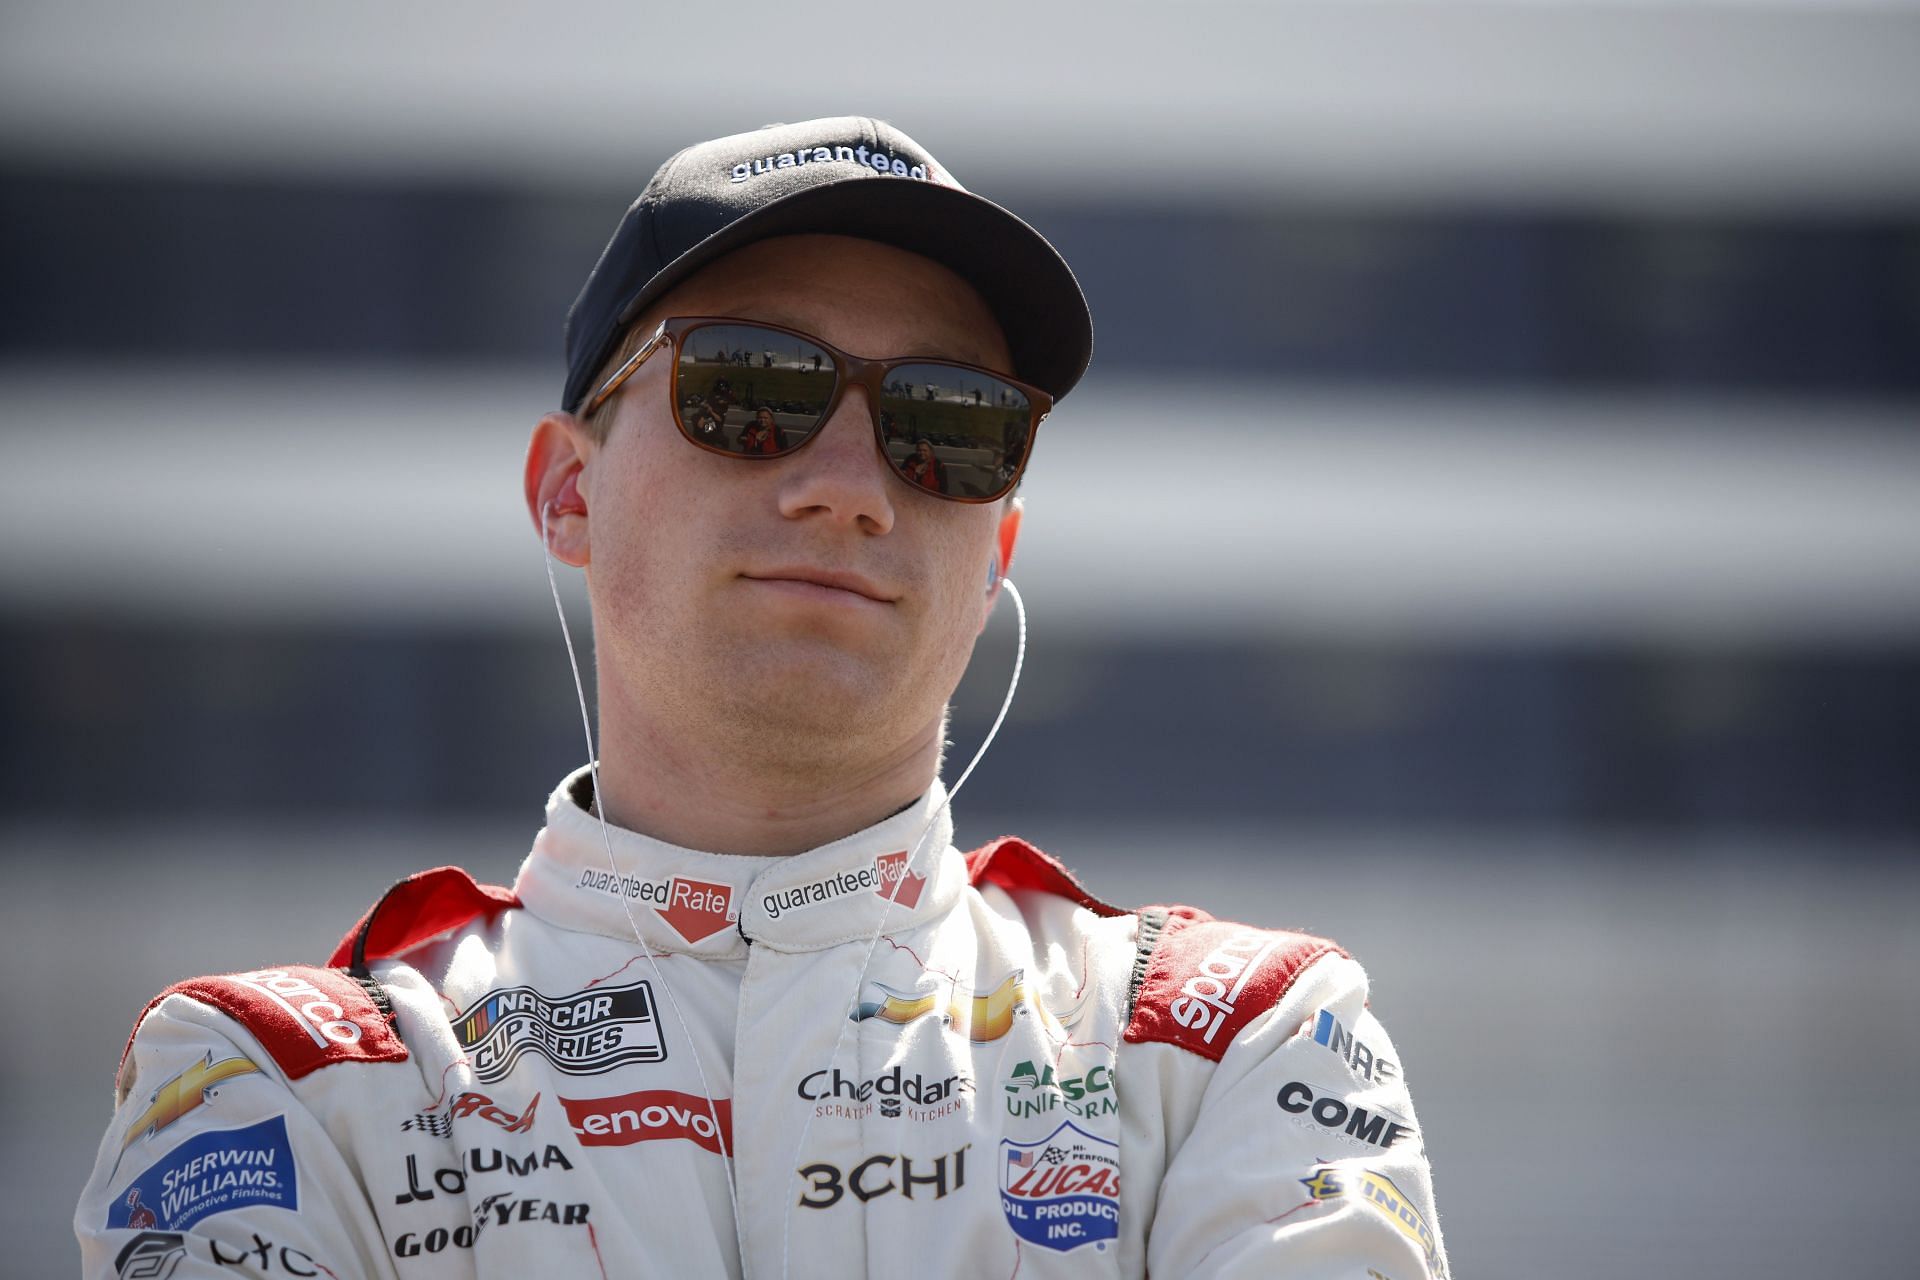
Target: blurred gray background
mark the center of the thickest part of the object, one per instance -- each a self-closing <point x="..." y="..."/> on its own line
<point x="1534" y="604"/>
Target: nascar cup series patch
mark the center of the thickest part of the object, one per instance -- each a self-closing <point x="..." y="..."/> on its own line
<point x="585" y="1033"/>
<point x="1063" y="1191"/>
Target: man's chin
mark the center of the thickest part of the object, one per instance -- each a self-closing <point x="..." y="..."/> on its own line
<point x="786" y="673"/>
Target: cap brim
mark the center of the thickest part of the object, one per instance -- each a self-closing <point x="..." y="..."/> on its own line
<point x="1025" y="281"/>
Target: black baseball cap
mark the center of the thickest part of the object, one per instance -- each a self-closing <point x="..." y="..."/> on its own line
<point x="844" y="175"/>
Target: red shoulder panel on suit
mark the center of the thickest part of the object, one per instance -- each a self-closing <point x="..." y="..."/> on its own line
<point x="310" y="1017"/>
<point x="306" y="1017"/>
<point x="1200" y="981"/>
<point x="1012" y="863"/>
<point x="416" y="909"/>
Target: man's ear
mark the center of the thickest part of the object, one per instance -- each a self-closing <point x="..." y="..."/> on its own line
<point x="557" y="455"/>
<point x="1004" y="539"/>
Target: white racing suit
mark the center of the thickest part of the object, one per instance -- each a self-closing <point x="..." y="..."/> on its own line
<point x="1016" y="1079"/>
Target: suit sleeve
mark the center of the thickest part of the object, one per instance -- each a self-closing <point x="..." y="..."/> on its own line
<point x="213" y="1162"/>
<point x="1304" y="1158"/>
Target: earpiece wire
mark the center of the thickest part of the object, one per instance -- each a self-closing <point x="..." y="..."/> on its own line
<point x="892" y="900"/>
<point x="606" y="840"/>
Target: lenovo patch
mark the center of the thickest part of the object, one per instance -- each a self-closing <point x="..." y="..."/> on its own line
<point x="307" y="1017"/>
<point x="1205" y="980"/>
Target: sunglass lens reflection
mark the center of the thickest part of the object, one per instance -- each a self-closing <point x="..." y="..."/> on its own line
<point x="954" y="430"/>
<point x="751" y="391"/>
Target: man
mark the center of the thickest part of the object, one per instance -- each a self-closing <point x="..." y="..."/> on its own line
<point x="833" y="1045"/>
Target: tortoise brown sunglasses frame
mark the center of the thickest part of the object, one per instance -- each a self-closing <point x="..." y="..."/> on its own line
<point x="848" y="370"/>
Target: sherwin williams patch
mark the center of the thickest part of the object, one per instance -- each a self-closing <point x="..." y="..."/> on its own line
<point x="212" y="1173"/>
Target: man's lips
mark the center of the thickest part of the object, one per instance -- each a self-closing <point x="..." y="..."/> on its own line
<point x="828" y="579"/>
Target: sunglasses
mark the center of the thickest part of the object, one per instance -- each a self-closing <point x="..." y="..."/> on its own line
<point x="753" y="391"/>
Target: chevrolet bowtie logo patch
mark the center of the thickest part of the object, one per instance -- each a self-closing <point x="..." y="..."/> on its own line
<point x="184" y="1093"/>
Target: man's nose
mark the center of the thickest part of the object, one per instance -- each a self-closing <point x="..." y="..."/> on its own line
<point x="839" y="474"/>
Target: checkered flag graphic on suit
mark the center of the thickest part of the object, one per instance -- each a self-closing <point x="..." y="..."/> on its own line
<point x="427" y="1122"/>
